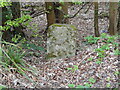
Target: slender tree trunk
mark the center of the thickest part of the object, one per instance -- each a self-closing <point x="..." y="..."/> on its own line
<point x="119" y="21"/>
<point x="0" y="32"/>
<point x="0" y="16"/>
<point x="113" y="20"/>
<point x="50" y="13"/>
<point x="96" y="28"/>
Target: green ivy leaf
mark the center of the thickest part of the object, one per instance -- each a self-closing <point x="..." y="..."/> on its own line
<point x="88" y="85"/>
<point x="92" y="80"/>
<point x="71" y="85"/>
<point x="80" y="86"/>
<point x="69" y="68"/>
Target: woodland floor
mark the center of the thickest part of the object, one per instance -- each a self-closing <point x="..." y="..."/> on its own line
<point x="54" y="73"/>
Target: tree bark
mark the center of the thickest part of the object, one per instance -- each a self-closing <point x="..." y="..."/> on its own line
<point x="113" y="20"/>
<point x="54" y="15"/>
<point x="0" y="32"/>
<point x="62" y="13"/>
<point x="50" y="13"/>
<point x="118" y="21"/>
<point x="96" y="28"/>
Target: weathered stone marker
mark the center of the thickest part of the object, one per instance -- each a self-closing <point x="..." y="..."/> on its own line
<point x="61" y="41"/>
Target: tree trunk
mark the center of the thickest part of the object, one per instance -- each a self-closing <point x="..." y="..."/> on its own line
<point x="55" y="15"/>
<point x="118" y="21"/>
<point x="96" y="28"/>
<point x="62" y="13"/>
<point x="50" y="13"/>
<point x="113" y="18"/>
<point x="0" y="32"/>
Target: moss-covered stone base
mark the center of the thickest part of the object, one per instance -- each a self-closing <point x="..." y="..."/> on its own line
<point x="61" y="41"/>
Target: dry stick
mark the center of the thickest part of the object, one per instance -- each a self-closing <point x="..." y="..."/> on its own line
<point x="88" y="8"/>
<point x="43" y="12"/>
<point x="38" y="14"/>
<point x="79" y="10"/>
<point x="69" y="16"/>
<point x="86" y="57"/>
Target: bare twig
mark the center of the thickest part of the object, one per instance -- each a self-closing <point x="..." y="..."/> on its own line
<point x="88" y="8"/>
<point x="79" y="10"/>
<point x="85" y="57"/>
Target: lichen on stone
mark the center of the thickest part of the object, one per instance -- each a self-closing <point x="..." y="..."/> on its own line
<point x="61" y="41"/>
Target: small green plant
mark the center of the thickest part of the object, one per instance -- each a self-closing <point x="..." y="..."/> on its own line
<point x="92" y="80"/>
<point x="80" y="86"/>
<point x="103" y="35"/>
<point x="88" y="85"/>
<point x="110" y="39"/>
<point x="15" y="53"/>
<point x="101" y="55"/>
<point x="59" y="8"/>
<point x="75" y="67"/>
<point x="108" y="85"/>
<point x="116" y="44"/>
<point x="2" y="87"/>
<point x="108" y="79"/>
<point x="90" y="59"/>
<point x="71" y="85"/>
<point x="98" y="62"/>
<point x="32" y="46"/>
<point x="4" y="3"/>
<point x="92" y="39"/>
<point x="76" y="3"/>
<point x="116" y="73"/>
<point x="101" y="52"/>
<point x="116" y="52"/>
<point x="16" y="38"/>
<point x="105" y="47"/>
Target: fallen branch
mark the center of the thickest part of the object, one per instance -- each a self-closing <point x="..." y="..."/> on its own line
<point x="86" y="57"/>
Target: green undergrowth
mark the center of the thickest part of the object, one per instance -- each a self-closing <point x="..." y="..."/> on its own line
<point x="12" y="59"/>
<point x="32" y="46"/>
<point x="104" y="43"/>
